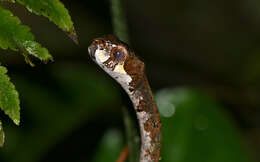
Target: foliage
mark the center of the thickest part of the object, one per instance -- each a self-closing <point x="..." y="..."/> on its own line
<point x="197" y="129"/>
<point x="9" y="100"/>
<point x="55" y="11"/>
<point x="44" y="104"/>
<point x="18" y="37"/>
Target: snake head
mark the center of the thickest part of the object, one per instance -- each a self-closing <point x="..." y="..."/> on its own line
<point x="117" y="59"/>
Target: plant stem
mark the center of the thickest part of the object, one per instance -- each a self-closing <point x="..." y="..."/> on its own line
<point x="119" y="20"/>
<point x="121" y="31"/>
<point x="132" y="136"/>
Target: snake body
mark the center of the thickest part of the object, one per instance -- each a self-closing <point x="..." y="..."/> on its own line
<point x="118" y="60"/>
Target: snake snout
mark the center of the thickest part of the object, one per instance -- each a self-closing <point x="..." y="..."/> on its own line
<point x="91" y="50"/>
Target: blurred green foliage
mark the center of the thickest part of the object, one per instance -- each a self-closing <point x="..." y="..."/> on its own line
<point x="199" y="130"/>
<point x="52" y="118"/>
<point x="110" y="146"/>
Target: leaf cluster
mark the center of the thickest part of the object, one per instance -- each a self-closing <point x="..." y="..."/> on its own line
<point x="17" y="37"/>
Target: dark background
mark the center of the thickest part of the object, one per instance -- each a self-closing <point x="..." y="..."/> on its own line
<point x="68" y="104"/>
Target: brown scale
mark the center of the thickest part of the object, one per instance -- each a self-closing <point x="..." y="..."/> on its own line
<point x="135" y="68"/>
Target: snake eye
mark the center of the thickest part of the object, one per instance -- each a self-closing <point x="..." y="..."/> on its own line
<point x="117" y="54"/>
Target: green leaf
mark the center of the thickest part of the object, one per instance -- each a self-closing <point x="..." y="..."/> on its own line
<point x="2" y="135"/>
<point x="15" y="36"/>
<point x="55" y="11"/>
<point x="196" y="129"/>
<point x="9" y="99"/>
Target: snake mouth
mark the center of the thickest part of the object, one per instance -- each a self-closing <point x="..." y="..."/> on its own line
<point x="91" y="50"/>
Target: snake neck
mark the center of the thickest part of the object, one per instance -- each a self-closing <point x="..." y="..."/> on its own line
<point x="149" y="121"/>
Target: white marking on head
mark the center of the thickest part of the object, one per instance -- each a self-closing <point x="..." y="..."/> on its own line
<point x="120" y="69"/>
<point x="101" y="56"/>
<point x="122" y="78"/>
<point x="121" y="75"/>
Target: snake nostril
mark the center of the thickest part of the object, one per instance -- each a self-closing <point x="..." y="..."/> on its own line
<point x="91" y="50"/>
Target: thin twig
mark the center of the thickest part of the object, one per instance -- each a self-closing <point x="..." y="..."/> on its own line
<point x="124" y="154"/>
<point x="132" y="136"/>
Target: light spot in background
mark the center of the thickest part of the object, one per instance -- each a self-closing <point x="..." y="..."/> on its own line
<point x="167" y="101"/>
<point x="166" y="109"/>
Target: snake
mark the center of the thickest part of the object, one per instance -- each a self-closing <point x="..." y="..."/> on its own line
<point x="119" y="61"/>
